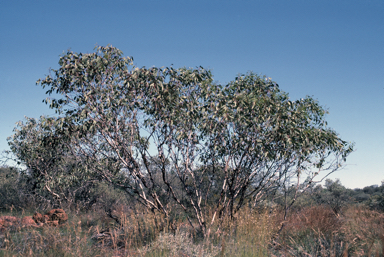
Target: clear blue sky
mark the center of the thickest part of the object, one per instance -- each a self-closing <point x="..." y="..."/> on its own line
<point x="331" y="50"/>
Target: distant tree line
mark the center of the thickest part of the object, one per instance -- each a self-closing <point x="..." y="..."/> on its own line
<point x="16" y="191"/>
<point x="335" y="196"/>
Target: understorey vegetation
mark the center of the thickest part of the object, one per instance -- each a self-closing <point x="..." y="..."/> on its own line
<point x="165" y="162"/>
<point x="327" y="220"/>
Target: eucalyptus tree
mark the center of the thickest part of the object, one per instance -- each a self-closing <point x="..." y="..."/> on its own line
<point x="53" y="170"/>
<point x="177" y="136"/>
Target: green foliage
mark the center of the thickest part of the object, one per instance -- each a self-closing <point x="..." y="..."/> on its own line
<point x="11" y="195"/>
<point x="171" y="137"/>
<point x="54" y="171"/>
<point x="359" y="196"/>
<point x="335" y="195"/>
<point x="376" y="202"/>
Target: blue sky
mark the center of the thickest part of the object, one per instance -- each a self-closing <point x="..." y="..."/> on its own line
<point x="331" y="50"/>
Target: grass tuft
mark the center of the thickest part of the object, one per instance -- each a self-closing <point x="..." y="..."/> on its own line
<point x="311" y="231"/>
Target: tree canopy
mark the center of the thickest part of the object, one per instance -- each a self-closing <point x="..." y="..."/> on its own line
<point x="173" y="136"/>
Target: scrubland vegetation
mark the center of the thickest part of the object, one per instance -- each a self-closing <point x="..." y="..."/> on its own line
<point x="325" y="221"/>
<point x="166" y="162"/>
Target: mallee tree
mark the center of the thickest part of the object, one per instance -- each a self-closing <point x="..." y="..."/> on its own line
<point x="184" y="143"/>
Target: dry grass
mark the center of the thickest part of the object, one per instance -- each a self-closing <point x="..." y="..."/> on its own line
<point x="316" y="231"/>
<point x="67" y="240"/>
<point x="249" y="234"/>
<point x="363" y="230"/>
<point x="313" y="231"/>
